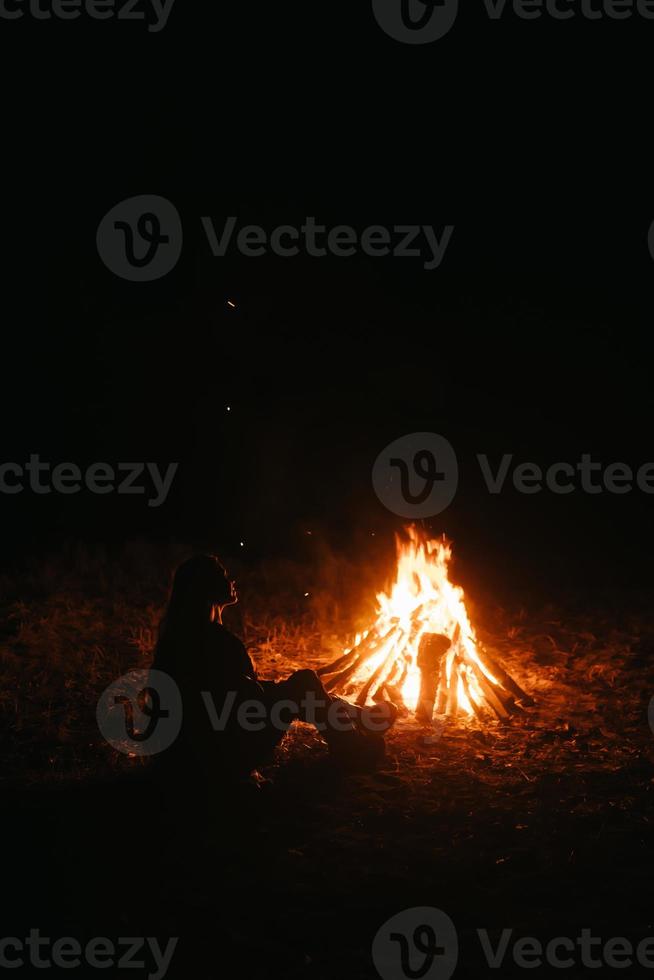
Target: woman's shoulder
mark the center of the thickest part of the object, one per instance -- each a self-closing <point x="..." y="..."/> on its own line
<point x="226" y="652"/>
<point x="219" y="636"/>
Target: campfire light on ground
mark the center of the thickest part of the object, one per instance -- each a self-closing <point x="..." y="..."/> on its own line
<point x="422" y="652"/>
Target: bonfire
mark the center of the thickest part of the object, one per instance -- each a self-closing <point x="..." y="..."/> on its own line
<point x="422" y="652"/>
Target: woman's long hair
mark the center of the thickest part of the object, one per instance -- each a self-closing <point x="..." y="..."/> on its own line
<point x="199" y="583"/>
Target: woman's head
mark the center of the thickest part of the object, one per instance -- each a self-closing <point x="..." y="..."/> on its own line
<point x="203" y="580"/>
<point x="201" y="589"/>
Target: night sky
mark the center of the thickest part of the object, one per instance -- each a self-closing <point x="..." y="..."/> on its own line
<point x="532" y="337"/>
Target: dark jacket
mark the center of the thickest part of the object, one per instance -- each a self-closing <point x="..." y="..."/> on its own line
<point x="215" y="676"/>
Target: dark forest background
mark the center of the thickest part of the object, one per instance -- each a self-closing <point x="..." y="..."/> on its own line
<point x="532" y="338"/>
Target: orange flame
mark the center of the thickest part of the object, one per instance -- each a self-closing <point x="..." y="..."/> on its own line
<point x="423" y="600"/>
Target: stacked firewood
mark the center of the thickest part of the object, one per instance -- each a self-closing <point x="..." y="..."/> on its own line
<point x="447" y="667"/>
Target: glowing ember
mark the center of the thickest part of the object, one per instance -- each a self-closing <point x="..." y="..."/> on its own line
<point x="422" y="652"/>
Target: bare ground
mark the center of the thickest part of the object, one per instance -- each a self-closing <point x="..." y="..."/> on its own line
<point x="543" y="826"/>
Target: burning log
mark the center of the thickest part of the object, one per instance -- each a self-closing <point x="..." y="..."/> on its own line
<point x="339" y="664"/>
<point x="393" y="687"/>
<point x="393" y="694"/>
<point x="408" y="656"/>
<point x="432" y="649"/>
<point x="363" y="653"/>
<point x="502" y="675"/>
<point x="441" y="704"/>
<point x="490" y="692"/>
<point x="376" y="679"/>
<point x="396" y="673"/>
<point x="351" y="655"/>
<point x="466" y="690"/>
<point x="453" y="693"/>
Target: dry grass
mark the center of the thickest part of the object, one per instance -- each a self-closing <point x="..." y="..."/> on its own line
<point x="543" y="825"/>
<point x="72" y="625"/>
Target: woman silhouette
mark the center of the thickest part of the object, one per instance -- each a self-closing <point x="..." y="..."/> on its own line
<point x="220" y="734"/>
